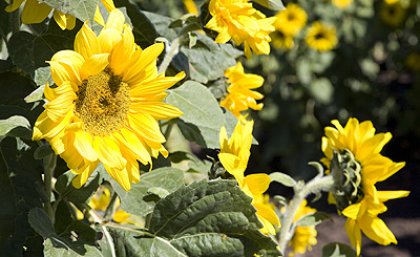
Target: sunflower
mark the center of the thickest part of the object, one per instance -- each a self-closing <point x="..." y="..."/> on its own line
<point x="342" y="4"/>
<point x="413" y="61"/>
<point x="239" y="21"/>
<point x="240" y="94"/>
<point x="353" y="156"/>
<point x="304" y="237"/>
<point x="392" y="14"/>
<point x="36" y="12"/>
<point x="321" y="37"/>
<point x="191" y="7"/>
<point x="234" y="155"/>
<point x="291" y="20"/>
<point x="106" y="103"/>
<point x="100" y="202"/>
<point x="282" y="40"/>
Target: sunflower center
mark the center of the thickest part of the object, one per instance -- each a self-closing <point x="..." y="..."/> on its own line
<point x="346" y="172"/>
<point x="102" y="103"/>
<point x="319" y="35"/>
<point x="291" y="16"/>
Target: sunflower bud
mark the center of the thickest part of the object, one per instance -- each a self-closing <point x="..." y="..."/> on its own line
<point x="346" y="172"/>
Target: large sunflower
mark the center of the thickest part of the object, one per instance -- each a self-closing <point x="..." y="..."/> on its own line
<point x="106" y="103"/>
<point x="239" y="21"/>
<point x="291" y="20"/>
<point x="240" y="95"/>
<point x="234" y="155"/>
<point x="321" y="37"/>
<point x="35" y="11"/>
<point x="353" y="156"/>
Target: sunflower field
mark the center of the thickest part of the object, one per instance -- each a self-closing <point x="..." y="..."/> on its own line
<point x="208" y="128"/>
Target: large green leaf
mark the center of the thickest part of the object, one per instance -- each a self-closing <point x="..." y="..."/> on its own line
<point x="54" y="248"/>
<point x="211" y="219"/>
<point x="13" y="122"/>
<point x="142" y="197"/>
<point x="81" y="9"/>
<point x="201" y="112"/>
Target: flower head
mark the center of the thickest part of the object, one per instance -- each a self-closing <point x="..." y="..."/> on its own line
<point x="234" y="155"/>
<point x="106" y="103"/>
<point x="240" y="94"/>
<point x="35" y="12"/>
<point x="291" y="20"/>
<point x="353" y="156"/>
<point x="321" y="37"/>
<point x="100" y="202"/>
<point x="392" y="14"/>
<point x="342" y="4"/>
<point x="304" y="237"/>
<point x="282" y="40"/>
<point x="239" y="21"/>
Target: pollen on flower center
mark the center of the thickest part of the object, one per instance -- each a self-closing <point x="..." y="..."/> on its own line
<point x="102" y="103"/>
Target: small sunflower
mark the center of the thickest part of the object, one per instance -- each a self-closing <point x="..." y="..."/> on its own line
<point x="291" y="20"/>
<point x="234" y="155"/>
<point x="321" y="37"/>
<point x="106" y="103"/>
<point x="353" y="156"/>
<point x="240" y="94"/>
<point x="413" y="61"/>
<point x="282" y="40"/>
<point x="36" y="12"/>
<point x="392" y="14"/>
<point x="342" y="4"/>
<point x="240" y="21"/>
<point x="304" y="237"/>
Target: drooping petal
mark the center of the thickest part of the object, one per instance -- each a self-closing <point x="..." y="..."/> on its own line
<point x="86" y="43"/>
<point x="34" y="12"/>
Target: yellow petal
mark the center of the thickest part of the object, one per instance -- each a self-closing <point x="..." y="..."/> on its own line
<point x="83" y="142"/>
<point x="355" y="235"/>
<point x="121" y="176"/>
<point x="98" y="17"/>
<point x="257" y="183"/>
<point x="389" y="195"/>
<point x="66" y="65"/>
<point x="84" y="174"/>
<point x="34" y="12"/>
<point x="352" y="211"/>
<point x="61" y="19"/>
<point x="108" y="152"/>
<point x="377" y="230"/>
<point x="130" y="140"/>
<point x="147" y="127"/>
<point x="14" y="5"/>
<point x="115" y="20"/>
<point x="94" y="65"/>
<point x="108" y="38"/>
<point x="109" y="5"/>
<point x="233" y="165"/>
<point x="86" y="43"/>
<point x="158" y="110"/>
<point x="122" y="52"/>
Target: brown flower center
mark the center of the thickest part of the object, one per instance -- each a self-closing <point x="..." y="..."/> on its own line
<point x="102" y="103"/>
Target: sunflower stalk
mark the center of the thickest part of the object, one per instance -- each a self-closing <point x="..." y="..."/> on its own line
<point x="316" y="185"/>
<point x="170" y="54"/>
<point x="50" y="163"/>
<point x="104" y="229"/>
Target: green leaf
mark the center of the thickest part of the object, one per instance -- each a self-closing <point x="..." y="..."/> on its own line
<point x="13" y="122"/>
<point x="283" y="179"/>
<point x="275" y="5"/>
<point x="40" y="222"/>
<point x="312" y="219"/>
<point x="81" y="9"/>
<point x="141" y="199"/>
<point x="206" y="117"/>
<point x="207" y="60"/>
<point x="36" y="95"/>
<point x="214" y="218"/>
<point x="43" y="76"/>
<point x="322" y="90"/>
<point x="338" y="250"/>
<point x="54" y="248"/>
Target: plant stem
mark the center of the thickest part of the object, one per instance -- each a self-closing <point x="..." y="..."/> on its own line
<point x="170" y="54"/>
<point x="49" y="167"/>
<point x="14" y="19"/>
<point x="107" y="235"/>
<point x="118" y="226"/>
<point x="315" y="185"/>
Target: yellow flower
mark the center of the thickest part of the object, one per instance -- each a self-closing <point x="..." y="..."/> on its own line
<point x="234" y="155"/>
<point x="106" y="103"/>
<point x="100" y="201"/>
<point x="365" y="203"/>
<point x="239" y="21"/>
<point x="191" y="7"/>
<point x="392" y="14"/>
<point x="36" y="12"/>
<point x="304" y="237"/>
<point x="342" y="4"/>
<point x="413" y="61"/>
<point x="240" y="94"/>
<point x="282" y="41"/>
<point x="291" y="20"/>
<point x="321" y="37"/>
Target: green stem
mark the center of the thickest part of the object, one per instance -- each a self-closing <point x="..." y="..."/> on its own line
<point x="109" y="212"/>
<point x="170" y="54"/>
<point x="107" y="235"/>
<point x="137" y="231"/>
<point x="49" y="167"/>
<point x="316" y="185"/>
